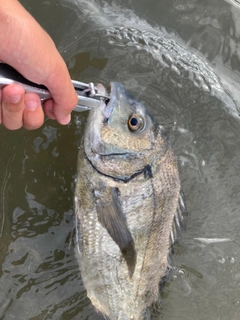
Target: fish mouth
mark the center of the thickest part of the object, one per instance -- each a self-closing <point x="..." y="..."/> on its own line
<point x="114" y="92"/>
<point x="125" y="155"/>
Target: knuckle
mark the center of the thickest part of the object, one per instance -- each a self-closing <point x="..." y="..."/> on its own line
<point x="12" y="109"/>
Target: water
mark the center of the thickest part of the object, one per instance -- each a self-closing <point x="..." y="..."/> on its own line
<point x="181" y="58"/>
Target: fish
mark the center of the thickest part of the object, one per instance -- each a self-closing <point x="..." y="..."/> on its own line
<point x="128" y="206"/>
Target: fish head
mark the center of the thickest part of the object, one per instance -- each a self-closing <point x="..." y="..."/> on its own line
<point x="120" y="132"/>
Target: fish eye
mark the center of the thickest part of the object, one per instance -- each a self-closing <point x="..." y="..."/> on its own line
<point x="135" y="123"/>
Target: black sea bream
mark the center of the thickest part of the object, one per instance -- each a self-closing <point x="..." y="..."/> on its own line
<point x="127" y="195"/>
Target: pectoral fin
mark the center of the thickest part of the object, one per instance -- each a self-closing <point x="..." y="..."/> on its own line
<point x="179" y="221"/>
<point x="112" y="218"/>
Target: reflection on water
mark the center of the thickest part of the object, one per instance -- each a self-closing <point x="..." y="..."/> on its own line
<point x="177" y="57"/>
<point x="37" y="256"/>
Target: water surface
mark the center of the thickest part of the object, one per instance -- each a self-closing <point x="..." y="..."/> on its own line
<point x="181" y="58"/>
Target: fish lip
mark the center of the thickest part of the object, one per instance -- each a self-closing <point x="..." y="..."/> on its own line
<point x="112" y="101"/>
<point x="101" y="91"/>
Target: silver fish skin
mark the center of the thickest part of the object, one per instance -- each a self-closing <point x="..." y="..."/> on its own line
<point x="126" y="197"/>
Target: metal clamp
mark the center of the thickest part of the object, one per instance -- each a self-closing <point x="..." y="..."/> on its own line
<point x="88" y="97"/>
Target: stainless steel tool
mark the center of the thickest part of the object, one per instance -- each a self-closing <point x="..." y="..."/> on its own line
<point x="88" y="96"/>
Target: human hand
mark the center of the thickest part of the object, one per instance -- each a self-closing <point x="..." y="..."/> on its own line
<point x="29" y="49"/>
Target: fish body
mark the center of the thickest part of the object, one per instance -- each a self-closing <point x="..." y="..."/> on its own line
<point x="127" y="194"/>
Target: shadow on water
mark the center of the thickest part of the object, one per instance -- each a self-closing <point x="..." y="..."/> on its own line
<point x="178" y="57"/>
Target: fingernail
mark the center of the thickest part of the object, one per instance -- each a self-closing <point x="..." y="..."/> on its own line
<point x="31" y="104"/>
<point x="66" y="120"/>
<point x="15" y="99"/>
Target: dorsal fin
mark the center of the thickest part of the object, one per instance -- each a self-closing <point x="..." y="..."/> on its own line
<point x="179" y="221"/>
<point x="112" y="218"/>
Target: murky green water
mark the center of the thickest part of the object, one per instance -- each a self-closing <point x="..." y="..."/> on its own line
<point x="181" y="58"/>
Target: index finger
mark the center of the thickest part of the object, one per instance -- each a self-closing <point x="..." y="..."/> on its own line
<point x="63" y="94"/>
